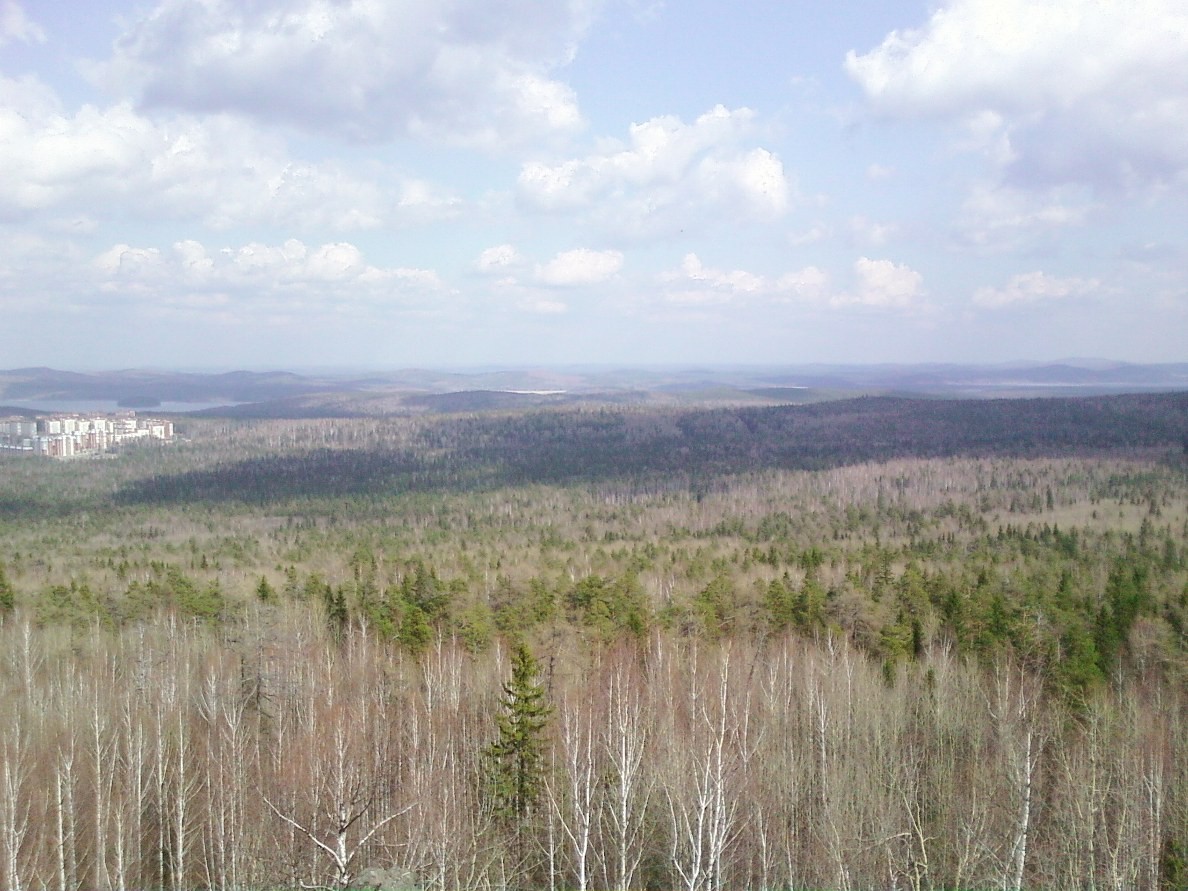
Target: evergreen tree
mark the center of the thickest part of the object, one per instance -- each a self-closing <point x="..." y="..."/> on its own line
<point x="337" y="613"/>
<point x="7" y="594"/>
<point x="265" y="593"/>
<point x="515" y="758"/>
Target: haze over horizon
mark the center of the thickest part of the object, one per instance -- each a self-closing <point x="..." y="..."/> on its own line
<point x="311" y="183"/>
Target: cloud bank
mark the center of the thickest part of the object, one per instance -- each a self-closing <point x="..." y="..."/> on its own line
<point x="464" y="71"/>
<point x="1058" y="91"/>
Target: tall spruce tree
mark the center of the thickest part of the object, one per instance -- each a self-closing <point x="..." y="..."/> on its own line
<point x="515" y="758"/>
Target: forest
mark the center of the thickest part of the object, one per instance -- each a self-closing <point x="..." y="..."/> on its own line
<point x="873" y="643"/>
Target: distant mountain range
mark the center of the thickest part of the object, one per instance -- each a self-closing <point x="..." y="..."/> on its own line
<point x="320" y="394"/>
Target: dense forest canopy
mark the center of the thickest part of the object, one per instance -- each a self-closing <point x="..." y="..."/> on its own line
<point x="484" y="450"/>
<point x="874" y="643"/>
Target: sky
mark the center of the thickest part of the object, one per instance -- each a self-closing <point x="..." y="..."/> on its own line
<point x="463" y="183"/>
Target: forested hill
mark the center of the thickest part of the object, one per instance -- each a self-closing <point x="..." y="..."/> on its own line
<point x="482" y="450"/>
<point x="326" y="393"/>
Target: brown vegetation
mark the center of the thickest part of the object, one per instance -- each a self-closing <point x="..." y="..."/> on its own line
<point x="951" y="672"/>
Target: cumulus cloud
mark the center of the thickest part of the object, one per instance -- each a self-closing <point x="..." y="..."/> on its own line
<point x="882" y="284"/>
<point x="1035" y="287"/>
<point x="256" y="272"/>
<point x="1089" y="91"/>
<point x="694" y="282"/>
<point x="809" y="284"/>
<point x="665" y="175"/>
<point x="465" y="71"/>
<point x="579" y="267"/>
<point x="100" y="161"/>
<point x="15" y="25"/>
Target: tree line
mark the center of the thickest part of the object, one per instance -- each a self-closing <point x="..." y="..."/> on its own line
<point x="485" y="451"/>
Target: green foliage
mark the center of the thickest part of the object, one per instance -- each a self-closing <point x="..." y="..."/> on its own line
<point x="713" y="607"/>
<point x="1173" y="864"/>
<point x="1124" y="600"/>
<point x="201" y="601"/>
<point x="475" y="627"/>
<point x="1065" y="562"/>
<point x="779" y="603"/>
<point x="515" y="759"/>
<point x="518" y="609"/>
<point x="74" y="604"/>
<point x="333" y="602"/>
<point x="415" y="631"/>
<point x="265" y="593"/>
<point x="1077" y="667"/>
<point x="609" y="606"/>
<point x="7" y="593"/>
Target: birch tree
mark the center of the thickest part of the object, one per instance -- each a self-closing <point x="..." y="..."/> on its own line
<point x="573" y="798"/>
<point x="342" y="798"/>
<point x="624" y="740"/>
<point x="14" y="802"/>
<point x="700" y="793"/>
<point x="1014" y="710"/>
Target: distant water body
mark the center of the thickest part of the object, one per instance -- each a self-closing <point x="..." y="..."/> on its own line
<point x="108" y="406"/>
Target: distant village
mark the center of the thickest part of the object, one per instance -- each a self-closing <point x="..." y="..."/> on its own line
<point x="77" y="435"/>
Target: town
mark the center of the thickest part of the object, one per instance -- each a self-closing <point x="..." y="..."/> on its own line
<point x="76" y="435"/>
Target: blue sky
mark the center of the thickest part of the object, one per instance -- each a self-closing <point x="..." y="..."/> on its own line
<point x="389" y="183"/>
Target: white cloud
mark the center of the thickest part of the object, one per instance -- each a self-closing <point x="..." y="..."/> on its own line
<point x="15" y="25"/>
<point x="883" y="284"/>
<point x="697" y="283"/>
<point x="878" y="283"/>
<point x="667" y="175"/>
<point x="810" y="284"/>
<point x="755" y="180"/>
<point x="579" y="267"/>
<point x="98" y="162"/>
<point x="1000" y="217"/>
<point x="122" y="258"/>
<point x="188" y="273"/>
<point x="499" y="260"/>
<point x="693" y="283"/>
<point x="464" y="71"/>
<point x="1035" y="287"/>
<point x="1090" y="91"/>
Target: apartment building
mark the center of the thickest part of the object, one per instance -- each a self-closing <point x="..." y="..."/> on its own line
<point x="71" y="435"/>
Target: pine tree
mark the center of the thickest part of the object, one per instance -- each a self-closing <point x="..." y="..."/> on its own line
<point x="515" y="759"/>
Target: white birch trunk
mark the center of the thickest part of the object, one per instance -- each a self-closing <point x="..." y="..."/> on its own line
<point x="14" y="805"/>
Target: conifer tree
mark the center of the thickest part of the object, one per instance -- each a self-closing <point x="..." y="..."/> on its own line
<point x="265" y="593"/>
<point x="7" y="595"/>
<point x="515" y="758"/>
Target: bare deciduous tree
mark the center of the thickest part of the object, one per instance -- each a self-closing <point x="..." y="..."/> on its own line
<point x="14" y="801"/>
<point x="624" y="741"/>
<point x="572" y="798"/>
<point x="338" y="797"/>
